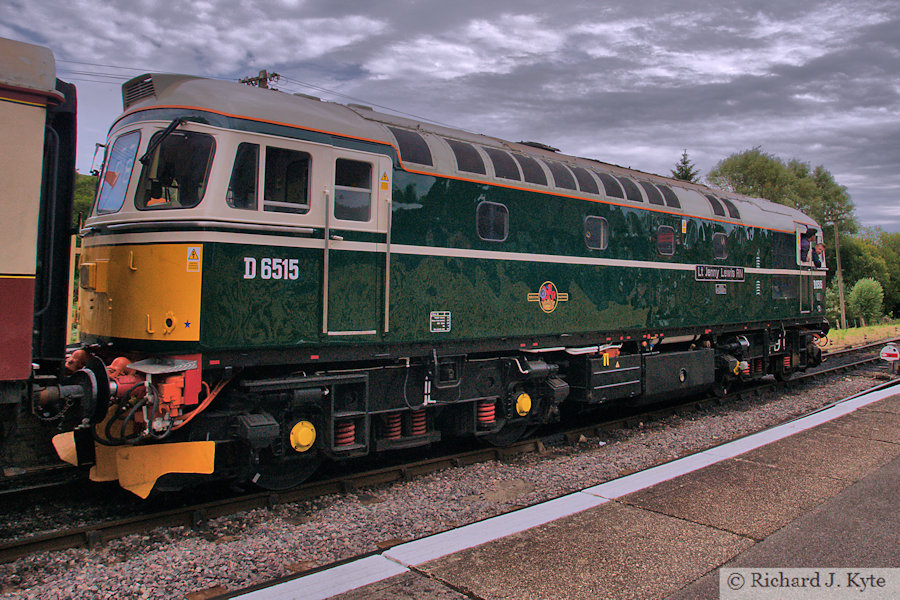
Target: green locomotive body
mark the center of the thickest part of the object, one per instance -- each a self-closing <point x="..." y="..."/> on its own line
<point x="292" y="279"/>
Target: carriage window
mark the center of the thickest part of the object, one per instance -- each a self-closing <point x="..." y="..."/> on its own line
<point x="720" y="245"/>
<point x="716" y="205"/>
<point x="287" y="181"/>
<point x="585" y="181"/>
<point x="561" y="175"/>
<point x="352" y="190"/>
<point x="176" y="173"/>
<point x="492" y="221"/>
<point x="612" y="187"/>
<point x="669" y="195"/>
<point x="531" y="169"/>
<point x="631" y="189"/>
<point x="732" y="209"/>
<point x="117" y="173"/>
<point x="244" y="175"/>
<point x="665" y="240"/>
<point x="596" y="233"/>
<point x="467" y="157"/>
<point x="504" y="166"/>
<point x="412" y="147"/>
<point x="653" y="194"/>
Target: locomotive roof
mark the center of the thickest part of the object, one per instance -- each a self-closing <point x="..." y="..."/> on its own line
<point x="361" y="122"/>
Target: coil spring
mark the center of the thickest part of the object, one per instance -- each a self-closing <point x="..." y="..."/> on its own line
<point x="787" y="361"/>
<point x="344" y="433"/>
<point x="418" y="422"/>
<point x="393" y="426"/>
<point x="486" y="412"/>
<point x="758" y="365"/>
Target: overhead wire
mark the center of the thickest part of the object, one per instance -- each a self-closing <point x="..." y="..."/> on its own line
<point x="361" y="100"/>
<point x="102" y="77"/>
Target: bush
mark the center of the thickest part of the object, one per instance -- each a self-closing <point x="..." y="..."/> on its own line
<point x="866" y="299"/>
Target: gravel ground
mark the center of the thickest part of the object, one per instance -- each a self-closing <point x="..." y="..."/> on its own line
<point x="252" y="547"/>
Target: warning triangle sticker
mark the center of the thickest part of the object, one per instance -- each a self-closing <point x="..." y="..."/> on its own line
<point x="193" y="255"/>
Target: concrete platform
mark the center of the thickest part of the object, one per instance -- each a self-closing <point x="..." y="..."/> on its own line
<point x="824" y="496"/>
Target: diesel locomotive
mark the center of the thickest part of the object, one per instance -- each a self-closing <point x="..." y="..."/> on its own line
<point x="270" y="280"/>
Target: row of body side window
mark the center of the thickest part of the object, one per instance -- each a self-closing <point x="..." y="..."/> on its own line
<point x="666" y="243"/>
<point x="520" y="167"/>
<point x="492" y="225"/>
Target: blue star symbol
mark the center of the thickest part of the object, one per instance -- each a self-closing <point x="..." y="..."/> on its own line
<point x="187" y="324"/>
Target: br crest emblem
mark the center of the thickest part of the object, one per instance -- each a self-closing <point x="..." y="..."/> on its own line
<point x="548" y="297"/>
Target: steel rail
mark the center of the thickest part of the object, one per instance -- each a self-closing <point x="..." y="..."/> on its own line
<point x="91" y="536"/>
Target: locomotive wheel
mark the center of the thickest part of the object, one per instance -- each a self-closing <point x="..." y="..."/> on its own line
<point x="784" y="374"/>
<point x="286" y="474"/>
<point x="509" y="434"/>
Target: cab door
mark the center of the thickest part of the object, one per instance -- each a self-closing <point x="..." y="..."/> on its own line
<point x="804" y="262"/>
<point x="356" y="260"/>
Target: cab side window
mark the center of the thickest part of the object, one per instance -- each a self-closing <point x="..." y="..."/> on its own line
<point x="287" y="181"/>
<point x="352" y="190"/>
<point x="242" y="187"/>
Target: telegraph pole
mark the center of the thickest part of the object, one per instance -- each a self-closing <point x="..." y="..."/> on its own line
<point x="835" y="218"/>
<point x="262" y="80"/>
<point x="840" y="277"/>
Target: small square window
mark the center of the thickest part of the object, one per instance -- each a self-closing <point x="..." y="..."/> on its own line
<point x="665" y="240"/>
<point x="596" y="233"/>
<point x="492" y="221"/>
<point x="720" y="245"/>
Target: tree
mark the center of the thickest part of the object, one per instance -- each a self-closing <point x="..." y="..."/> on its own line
<point x="832" y="305"/>
<point x="685" y="170"/>
<point x="754" y="173"/>
<point x="795" y="184"/>
<point x="861" y="259"/>
<point x="85" y="186"/>
<point x="889" y="246"/>
<point x="865" y="299"/>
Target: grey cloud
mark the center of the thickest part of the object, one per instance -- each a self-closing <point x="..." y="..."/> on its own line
<point x="631" y="83"/>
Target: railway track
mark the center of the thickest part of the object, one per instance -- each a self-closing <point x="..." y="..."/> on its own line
<point x="195" y="515"/>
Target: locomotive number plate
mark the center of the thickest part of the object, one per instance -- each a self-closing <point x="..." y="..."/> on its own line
<point x="718" y="273"/>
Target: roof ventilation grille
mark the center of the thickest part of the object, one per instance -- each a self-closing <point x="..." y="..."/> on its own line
<point x="137" y="89"/>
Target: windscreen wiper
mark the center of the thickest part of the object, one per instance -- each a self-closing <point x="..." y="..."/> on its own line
<point x="154" y="143"/>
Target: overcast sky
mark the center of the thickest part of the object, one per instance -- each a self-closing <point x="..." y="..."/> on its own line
<point x="631" y="83"/>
